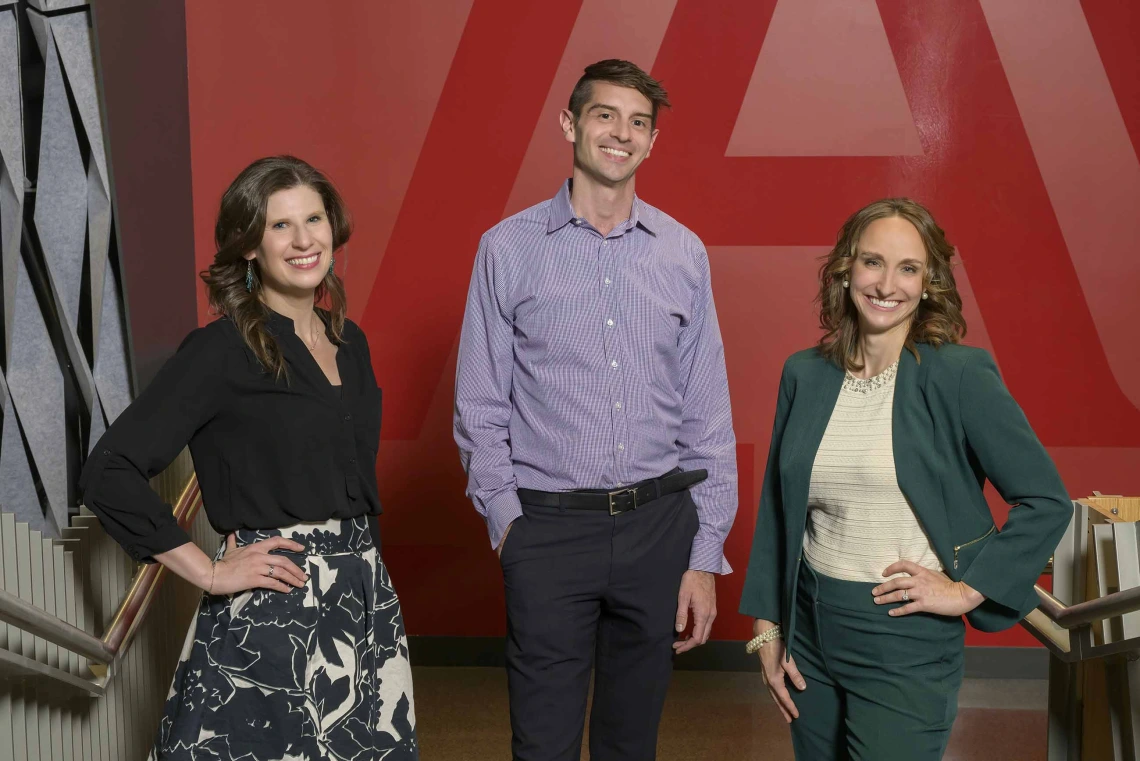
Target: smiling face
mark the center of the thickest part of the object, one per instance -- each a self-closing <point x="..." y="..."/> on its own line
<point x="887" y="276"/>
<point x="612" y="135"/>
<point x="297" y="244"/>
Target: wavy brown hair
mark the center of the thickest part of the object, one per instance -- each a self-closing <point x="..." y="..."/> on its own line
<point x="239" y="229"/>
<point x="938" y="319"/>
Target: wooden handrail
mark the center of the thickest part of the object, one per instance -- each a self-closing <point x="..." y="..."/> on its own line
<point x="149" y="578"/>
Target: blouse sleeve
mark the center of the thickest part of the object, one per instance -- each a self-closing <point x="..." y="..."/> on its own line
<point x="145" y="438"/>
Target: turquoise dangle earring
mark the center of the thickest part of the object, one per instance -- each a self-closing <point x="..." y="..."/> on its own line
<point x="332" y="263"/>
<point x="249" y="275"/>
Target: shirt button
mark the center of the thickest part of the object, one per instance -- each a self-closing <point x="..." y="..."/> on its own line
<point x="348" y="417"/>
<point x="607" y="281"/>
<point x="352" y="461"/>
<point x="613" y="363"/>
<point x="621" y="447"/>
<point x="610" y="323"/>
<point x="617" y="406"/>
<point x="605" y="243"/>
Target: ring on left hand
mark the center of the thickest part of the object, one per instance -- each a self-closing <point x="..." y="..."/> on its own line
<point x="906" y="596"/>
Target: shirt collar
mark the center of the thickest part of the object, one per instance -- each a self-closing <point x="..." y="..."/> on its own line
<point x="280" y="325"/>
<point x="562" y="213"/>
<point x="642" y="214"/>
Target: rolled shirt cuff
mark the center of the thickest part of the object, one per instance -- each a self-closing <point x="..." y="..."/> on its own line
<point x="167" y="538"/>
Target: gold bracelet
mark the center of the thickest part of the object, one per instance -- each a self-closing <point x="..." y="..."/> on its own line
<point x="763" y="638"/>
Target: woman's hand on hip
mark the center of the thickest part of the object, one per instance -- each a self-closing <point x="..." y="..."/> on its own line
<point x="253" y="567"/>
<point x="925" y="591"/>
<point x="778" y="671"/>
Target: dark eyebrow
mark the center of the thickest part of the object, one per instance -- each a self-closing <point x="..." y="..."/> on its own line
<point x="615" y="109"/>
<point x="286" y="219"/>
<point x="915" y="262"/>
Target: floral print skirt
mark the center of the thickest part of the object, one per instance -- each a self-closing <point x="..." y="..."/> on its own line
<point x="317" y="673"/>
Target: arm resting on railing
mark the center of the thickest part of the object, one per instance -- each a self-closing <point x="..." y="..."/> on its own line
<point x="131" y="612"/>
<point x="148" y="579"/>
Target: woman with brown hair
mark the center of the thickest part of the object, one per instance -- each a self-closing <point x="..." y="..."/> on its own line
<point x="298" y="648"/>
<point x="873" y="537"/>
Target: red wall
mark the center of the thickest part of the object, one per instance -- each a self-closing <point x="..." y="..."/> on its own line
<point x="1016" y="121"/>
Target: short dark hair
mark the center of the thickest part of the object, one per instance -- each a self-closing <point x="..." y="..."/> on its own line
<point x="621" y="73"/>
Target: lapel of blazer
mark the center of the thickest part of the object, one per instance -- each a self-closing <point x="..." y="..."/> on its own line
<point x="818" y="392"/>
<point x="916" y="465"/>
<point x="916" y="461"/>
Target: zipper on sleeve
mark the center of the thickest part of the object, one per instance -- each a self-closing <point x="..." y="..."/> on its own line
<point x="967" y="544"/>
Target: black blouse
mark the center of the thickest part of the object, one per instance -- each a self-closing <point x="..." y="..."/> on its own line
<point x="267" y="453"/>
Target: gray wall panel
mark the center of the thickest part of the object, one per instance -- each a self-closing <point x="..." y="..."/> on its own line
<point x="111" y="366"/>
<point x="11" y="163"/>
<point x="59" y="285"/>
<point x="61" y="194"/>
<point x="35" y="383"/>
<point x="17" y="490"/>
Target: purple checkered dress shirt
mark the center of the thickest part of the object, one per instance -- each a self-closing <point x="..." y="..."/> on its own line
<point x="590" y="361"/>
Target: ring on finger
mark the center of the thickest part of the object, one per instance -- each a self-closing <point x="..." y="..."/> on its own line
<point x="906" y="595"/>
<point x="271" y="571"/>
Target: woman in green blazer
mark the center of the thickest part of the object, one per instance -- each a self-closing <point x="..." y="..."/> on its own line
<point x="873" y="537"/>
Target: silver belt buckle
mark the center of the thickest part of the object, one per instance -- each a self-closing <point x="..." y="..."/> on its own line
<point x="618" y="493"/>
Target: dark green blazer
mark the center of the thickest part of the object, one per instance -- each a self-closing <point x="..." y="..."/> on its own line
<point x="954" y="425"/>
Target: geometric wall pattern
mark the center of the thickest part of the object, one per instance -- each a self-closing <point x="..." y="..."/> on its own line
<point x="845" y="98"/>
<point x="65" y="372"/>
<point x="1016" y="121"/>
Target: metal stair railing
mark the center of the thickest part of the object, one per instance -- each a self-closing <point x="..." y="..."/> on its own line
<point x="1090" y="624"/>
<point x="103" y="653"/>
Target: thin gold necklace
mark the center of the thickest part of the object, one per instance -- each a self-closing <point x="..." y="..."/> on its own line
<point x="313" y="347"/>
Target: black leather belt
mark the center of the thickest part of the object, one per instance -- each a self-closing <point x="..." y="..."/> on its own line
<point x="615" y="500"/>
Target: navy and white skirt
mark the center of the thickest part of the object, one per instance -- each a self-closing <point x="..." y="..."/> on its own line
<point x="318" y="673"/>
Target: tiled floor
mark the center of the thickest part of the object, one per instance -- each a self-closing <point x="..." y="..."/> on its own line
<point x="715" y="716"/>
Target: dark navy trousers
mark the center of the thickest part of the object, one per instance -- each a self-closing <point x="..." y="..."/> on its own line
<point x="584" y="590"/>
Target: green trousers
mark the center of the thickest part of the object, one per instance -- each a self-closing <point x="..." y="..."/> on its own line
<point x="879" y="688"/>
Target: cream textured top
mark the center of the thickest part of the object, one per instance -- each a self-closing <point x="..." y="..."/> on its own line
<point x="859" y="522"/>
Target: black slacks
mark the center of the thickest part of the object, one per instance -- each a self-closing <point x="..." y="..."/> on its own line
<point x="584" y="588"/>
